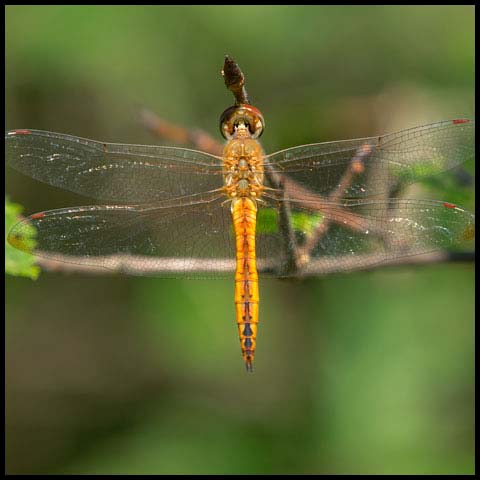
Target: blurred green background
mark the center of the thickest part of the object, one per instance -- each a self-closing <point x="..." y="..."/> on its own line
<point x="355" y="373"/>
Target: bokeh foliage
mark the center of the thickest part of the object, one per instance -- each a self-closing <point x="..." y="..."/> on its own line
<point x="17" y="262"/>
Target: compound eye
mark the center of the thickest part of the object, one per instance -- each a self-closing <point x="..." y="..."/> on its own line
<point x="227" y="123"/>
<point x="237" y="114"/>
<point x="256" y="123"/>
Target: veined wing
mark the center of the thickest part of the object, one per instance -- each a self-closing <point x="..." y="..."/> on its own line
<point x="192" y="238"/>
<point x="112" y="172"/>
<point x="196" y="239"/>
<point x="354" y="234"/>
<point x="375" y="165"/>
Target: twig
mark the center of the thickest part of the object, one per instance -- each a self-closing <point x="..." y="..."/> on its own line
<point x="199" y="139"/>
<point x="324" y="266"/>
<point x="355" y="167"/>
<point x="180" y="267"/>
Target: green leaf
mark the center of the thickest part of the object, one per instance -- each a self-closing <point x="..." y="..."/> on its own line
<point x="19" y="263"/>
<point x="306" y="222"/>
<point x="268" y="219"/>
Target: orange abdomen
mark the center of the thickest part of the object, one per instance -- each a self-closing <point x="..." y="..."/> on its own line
<point x="244" y="214"/>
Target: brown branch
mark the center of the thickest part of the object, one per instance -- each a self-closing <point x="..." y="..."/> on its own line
<point x="286" y="228"/>
<point x="298" y="194"/>
<point x="197" y="138"/>
<point x="135" y="265"/>
<point x="323" y="266"/>
<point x="355" y="167"/>
<point x="172" y="267"/>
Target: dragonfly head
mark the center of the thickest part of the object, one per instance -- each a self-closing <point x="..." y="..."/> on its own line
<point x="245" y="114"/>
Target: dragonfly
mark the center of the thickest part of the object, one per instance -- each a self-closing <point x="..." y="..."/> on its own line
<point x="179" y="212"/>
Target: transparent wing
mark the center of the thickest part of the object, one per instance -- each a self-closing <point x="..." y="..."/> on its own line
<point x="377" y="164"/>
<point x="193" y="239"/>
<point x="196" y="240"/>
<point x="325" y="237"/>
<point x="112" y="172"/>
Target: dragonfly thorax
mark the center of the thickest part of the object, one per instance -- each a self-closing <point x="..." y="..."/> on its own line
<point x="243" y="166"/>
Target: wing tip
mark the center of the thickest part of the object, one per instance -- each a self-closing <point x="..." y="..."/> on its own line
<point x="459" y="121"/>
<point x="24" y="131"/>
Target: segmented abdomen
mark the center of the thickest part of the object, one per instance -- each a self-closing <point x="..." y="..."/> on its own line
<point x="244" y="214"/>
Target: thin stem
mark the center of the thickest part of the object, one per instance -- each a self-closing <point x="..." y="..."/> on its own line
<point x="285" y="220"/>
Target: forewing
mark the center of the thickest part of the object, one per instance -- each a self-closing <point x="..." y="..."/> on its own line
<point x="111" y="172"/>
<point x="369" y="166"/>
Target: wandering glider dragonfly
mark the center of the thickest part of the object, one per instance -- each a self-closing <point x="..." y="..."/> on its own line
<point x="178" y="212"/>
